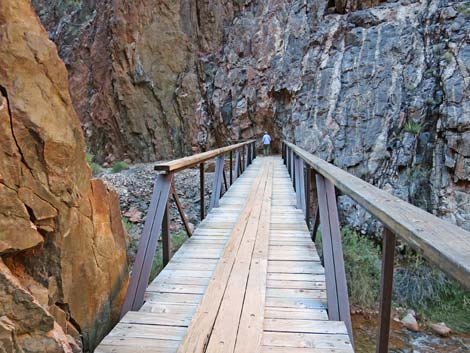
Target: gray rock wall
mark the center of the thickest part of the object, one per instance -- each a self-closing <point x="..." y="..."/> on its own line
<point x="381" y="92"/>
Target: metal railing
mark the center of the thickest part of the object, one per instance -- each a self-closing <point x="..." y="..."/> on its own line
<point x="443" y="244"/>
<point x="158" y="217"/>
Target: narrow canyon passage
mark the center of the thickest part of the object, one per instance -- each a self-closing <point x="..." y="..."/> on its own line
<point x="94" y="95"/>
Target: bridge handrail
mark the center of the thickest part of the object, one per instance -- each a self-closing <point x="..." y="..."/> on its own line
<point x="442" y="243"/>
<point x="190" y="161"/>
<point x="158" y="213"/>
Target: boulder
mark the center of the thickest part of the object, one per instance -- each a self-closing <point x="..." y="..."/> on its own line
<point x="409" y="321"/>
<point x="441" y="329"/>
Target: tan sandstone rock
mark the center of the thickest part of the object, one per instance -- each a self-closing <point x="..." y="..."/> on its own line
<point x="409" y="321"/>
<point x="441" y="329"/>
<point x="62" y="244"/>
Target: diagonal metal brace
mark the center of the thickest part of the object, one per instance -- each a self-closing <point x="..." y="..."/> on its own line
<point x="180" y="210"/>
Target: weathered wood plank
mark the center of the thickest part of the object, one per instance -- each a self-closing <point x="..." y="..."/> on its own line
<point x="295" y="284"/>
<point x="296" y="277"/>
<point x="113" y="344"/>
<point x="223" y="335"/>
<point x="299" y="303"/>
<point x="295" y="314"/>
<point x="250" y="328"/>
<point x="305" y="326"/>
<point x="176" y="288"/>
<point x="313" y="267"/>
<point x="295" y="293"/>
<point x="271" y="349"/>
<point x="305" y="340"/>
<point x="202" y="323"/>
<point x="176" y="298"/>
<point x="181" y="318"/>
<point x="173" y="333"/>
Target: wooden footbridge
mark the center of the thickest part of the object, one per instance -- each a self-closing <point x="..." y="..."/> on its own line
<point x="249" y="278"/>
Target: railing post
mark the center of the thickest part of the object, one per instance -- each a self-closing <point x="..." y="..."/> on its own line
<point x="237" y="163"/>
<point x="308" y="179"/>
<point x="231" y="167"/>
<point x="166" y="236"/>
<point x="289" y="160"/>
<point x="386" y="289"/>
<point x="247" y="156"/>
<point x="250" y="153"/>
<point x="147" y="244"/>
<point x="225" y="179"/>
<point x="299" y="182"/>
<point x="336" y="287"/>
<point x="250" y="149"/>
<point x="302" y="185"/>
<point x="316" y="213"/>
<point x="202" y="190"/>
<point x="286" y="157"/>
<point x="292" y="167"/>
<point x="218" y="179"/>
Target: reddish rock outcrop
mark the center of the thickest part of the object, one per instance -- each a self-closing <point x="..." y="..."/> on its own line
<point x="136" y="71"/>
<point x="63" y="266"/>
<point x="131" y="87"/>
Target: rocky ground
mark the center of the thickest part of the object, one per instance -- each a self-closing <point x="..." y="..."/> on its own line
<point x="135" y="185"/>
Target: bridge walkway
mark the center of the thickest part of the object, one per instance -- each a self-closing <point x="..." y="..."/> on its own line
<point x="248" y="280"/>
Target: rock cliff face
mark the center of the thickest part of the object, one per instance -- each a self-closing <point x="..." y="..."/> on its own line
<point x="380" y="88"/>
<point x="381" y="92"/>
<point x="133" y="74"/>
<point x="63" y="265"/>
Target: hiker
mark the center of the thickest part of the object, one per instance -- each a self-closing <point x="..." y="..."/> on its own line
<point x="266" y="143"/>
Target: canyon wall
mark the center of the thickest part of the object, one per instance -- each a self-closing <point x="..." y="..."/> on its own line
<point x="134" y="73"/>
<point x="63" y="264"/>
<point x="382" y="92"/>
<point x="379" y="88"/>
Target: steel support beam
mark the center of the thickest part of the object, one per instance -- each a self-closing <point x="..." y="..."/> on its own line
<point x="148" y="244"/>
<point x="337" y="290"/>
<point x="218" y="180"/>
<point x="386" y="289"/>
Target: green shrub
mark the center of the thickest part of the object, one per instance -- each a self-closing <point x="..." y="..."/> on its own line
<point x="413" y="127"/>
<point x="464" y="9"/>
<point x="95" y="167"/>
<point x="431" y="292"/>
<point x="119" y="166"/>
<point x="362" y="266"/>
<point x="363" y="269"/>
<point x="127" y="225"/>
<point x="448" y="57"/>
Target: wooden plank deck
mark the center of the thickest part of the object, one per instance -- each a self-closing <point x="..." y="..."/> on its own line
<point x="249" y="280"/>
